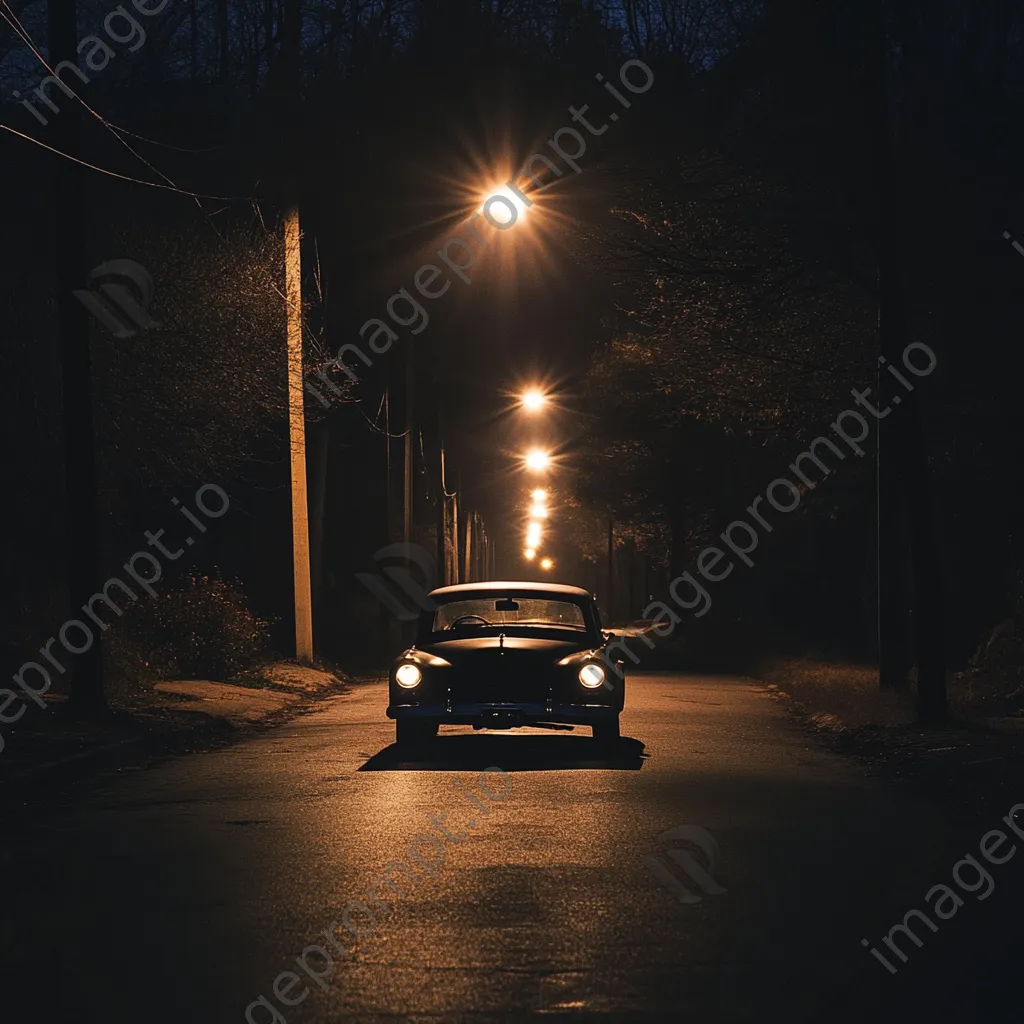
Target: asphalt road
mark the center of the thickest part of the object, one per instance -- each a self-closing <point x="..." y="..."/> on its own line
<point x="181" y="892"/>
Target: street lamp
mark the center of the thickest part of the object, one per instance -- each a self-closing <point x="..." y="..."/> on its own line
<point x="546" y="563"/>
<point x="530" y="554"/>
<point x="538" y="460"/>
<point x="539" y="494"/>
<point x="502" y="207"/>
<point x="534" y="400"/>
<point x="538" y="511"/>
<point x="533" y="535"/>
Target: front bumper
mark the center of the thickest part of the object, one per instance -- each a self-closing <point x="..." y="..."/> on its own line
<point x="505" y="715"/>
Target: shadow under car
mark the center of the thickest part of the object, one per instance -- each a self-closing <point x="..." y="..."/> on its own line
<point x="476" y="752"/>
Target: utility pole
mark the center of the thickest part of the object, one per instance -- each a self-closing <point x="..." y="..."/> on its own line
<point x="611" y="567"/>
<point x="288" y="96"/>
<point x="410" y="422"/>
<point x="452" y="543"/>
<point x="69" y="206"/>
<point x="297" y="437"/>
<point x="468" y="551"/>
<point x="480" y="545"/>
<point x="442" y="515"/>
<point x="631" y="572"/>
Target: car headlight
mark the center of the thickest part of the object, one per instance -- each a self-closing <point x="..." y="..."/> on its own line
<point x="408" y="676"/>
<point x="592" y="676"/>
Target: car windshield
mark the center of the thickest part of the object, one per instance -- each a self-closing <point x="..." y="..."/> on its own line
<point x="481" y="613"/>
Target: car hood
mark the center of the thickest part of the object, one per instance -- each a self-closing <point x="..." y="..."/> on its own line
<point x="458" y="652"/>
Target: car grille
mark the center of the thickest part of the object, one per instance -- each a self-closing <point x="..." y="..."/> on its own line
<point x="501" y="680"/>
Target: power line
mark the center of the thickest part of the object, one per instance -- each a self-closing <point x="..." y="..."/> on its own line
<point x="373" y="424"/>
<point x="122" y="177"/>
<point x="165" y="145"/>
<point x="115" y="130"/>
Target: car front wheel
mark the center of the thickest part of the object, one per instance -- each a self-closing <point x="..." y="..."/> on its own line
<point x="411" y="733"/>
<point x="607" y="732"/>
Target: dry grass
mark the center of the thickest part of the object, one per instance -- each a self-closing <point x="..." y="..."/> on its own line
<point x="838" y="695"/>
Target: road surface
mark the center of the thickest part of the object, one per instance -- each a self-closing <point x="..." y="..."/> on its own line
<point x="186" y="892"/>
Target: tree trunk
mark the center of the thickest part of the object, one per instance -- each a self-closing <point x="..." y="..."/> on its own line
<point x="905" y="505"/>
<point x="70" y="272"/>
<point x="223" y="40"/>
<point x="893" y="658"/>
<point x="929" y="582"/>
<point x="193" y="26"/>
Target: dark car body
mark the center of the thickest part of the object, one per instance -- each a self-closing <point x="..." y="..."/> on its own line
<point x="508" y="674"/>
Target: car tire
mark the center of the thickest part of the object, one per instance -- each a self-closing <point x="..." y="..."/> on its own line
<point x="412" y="733"/>
<point x="607" y="733"/>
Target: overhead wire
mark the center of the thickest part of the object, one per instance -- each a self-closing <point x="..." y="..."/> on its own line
<point x="373" y="423"/>
<point x="115" y="174"/>
<point x="19" y="29"/>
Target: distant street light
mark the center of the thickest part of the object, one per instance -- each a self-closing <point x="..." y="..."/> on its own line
<point x="546" y="563"/>
<point x="538" y="511"/>
<point x="533" y="535"/>
<point x="529" y="554"/>
<point x="534" y="400"/>
<point x="502" y="207"/>
<point x="538" y="460"/>
<point x="539" y="494"/>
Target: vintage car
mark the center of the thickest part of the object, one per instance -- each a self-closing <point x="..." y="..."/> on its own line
<point x="504" y="655"/>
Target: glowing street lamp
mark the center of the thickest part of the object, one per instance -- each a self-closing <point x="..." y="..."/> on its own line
<point x="533" y="535"/>
<point x="539" y="494"/>
<point x="538" y="511"/>
<point x="530" y="554"/>
<point x="546" y="563"/>
<point x="534" y="400"/>
<point x="538" y="460"/>
<point x="502" y="207"/>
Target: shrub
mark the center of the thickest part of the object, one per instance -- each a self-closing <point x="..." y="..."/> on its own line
<point x="994" y="677"/>
<point x="203" y="629"/>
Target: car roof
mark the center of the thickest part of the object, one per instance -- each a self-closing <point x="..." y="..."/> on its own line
<point x="492" y="586"/>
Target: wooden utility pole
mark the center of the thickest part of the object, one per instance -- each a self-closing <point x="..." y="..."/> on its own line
<point x="479" y="546"/>
<point x="468" y="550"/>
<point x="70" y="272"/>
<point x="452" y="543"/>
<point x="297" y="436"/>
<point x="611" y="568"/>
<point x="410" y="427"/>
<point x="441" y="520"/>
<point x="288" y="95"/>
